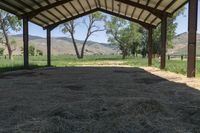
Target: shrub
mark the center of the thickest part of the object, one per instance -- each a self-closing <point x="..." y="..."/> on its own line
<point x="1" y="51"/>
<point x="39" y="52"/>
<point x="31" y="50"/>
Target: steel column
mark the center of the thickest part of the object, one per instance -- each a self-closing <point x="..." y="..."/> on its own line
<point x="26" y="41"/>
<point x="150" y="49"/>
<point x="163" y="41"/>
<point x="192" y="32"/>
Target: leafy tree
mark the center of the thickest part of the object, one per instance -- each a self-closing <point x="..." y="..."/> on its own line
<point x="31" y="50"/>
<point x="1" y="51"/>
<point x="115" y="28"/>
<point x="8" y="22"/>
<point x="92" y="26"/>
<point x="171" y="32"/>
<point x="143" y="45"/>
<point x="135" y="37"/>
<point x="126" y="35"/>
<point x="39" y="52"/>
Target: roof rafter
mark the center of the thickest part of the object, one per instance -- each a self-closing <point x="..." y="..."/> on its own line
<point x="43" y="8"/>
<point x="71" y="18"/>
<point x="156" y="12"/>
<point x="145" y="25"/>
<point x="47" y="12"/>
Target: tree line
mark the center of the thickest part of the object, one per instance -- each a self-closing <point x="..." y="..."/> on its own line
<point x="129" y="37"/>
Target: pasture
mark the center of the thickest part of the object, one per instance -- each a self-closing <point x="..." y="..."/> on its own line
<point x="174" y="65"/>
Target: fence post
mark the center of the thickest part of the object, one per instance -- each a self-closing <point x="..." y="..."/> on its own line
<point x="182" y="57"/>
<point x="168" y="57"/>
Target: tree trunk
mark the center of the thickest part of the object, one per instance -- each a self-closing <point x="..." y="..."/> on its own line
<point x="75" y="47"/>
<point x="124" y="54"/>
<point x="7" y="44"/>
<point x="83" y="47"/>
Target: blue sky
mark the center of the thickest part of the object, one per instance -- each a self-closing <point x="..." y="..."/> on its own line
<point x="101" y="36"/>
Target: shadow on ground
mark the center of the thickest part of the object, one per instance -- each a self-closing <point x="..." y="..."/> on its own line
<point x="96" y="100"/>
<point x="18" y="67"/>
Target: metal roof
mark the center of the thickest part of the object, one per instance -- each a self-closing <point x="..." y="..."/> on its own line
<point x="48" y="13"/>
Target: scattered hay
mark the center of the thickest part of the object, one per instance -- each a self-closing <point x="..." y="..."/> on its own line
<point x="96" y="100"/>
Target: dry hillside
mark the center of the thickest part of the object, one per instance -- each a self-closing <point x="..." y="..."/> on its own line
<point x="180" y="44"/>
<point x="62" y="45"/>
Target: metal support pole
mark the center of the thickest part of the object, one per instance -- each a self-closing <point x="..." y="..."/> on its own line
<point x="192" y="32"/>
<point x="26" y="41"/>
<point x="150" y="50"/>
<point x="163" y="41"/>
<point x="48" y="47"/>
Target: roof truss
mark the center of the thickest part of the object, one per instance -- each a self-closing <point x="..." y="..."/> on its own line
<point x="50" y="13"/>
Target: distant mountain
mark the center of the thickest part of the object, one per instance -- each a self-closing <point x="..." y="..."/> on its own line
<point x="30" y="37"/>
<point x="181" y="44"/>
<point x="63" y="45"/>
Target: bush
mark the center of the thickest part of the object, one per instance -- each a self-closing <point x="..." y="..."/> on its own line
<point x="1" y="51"/>
<point x="31" y="50"/>
<point x="39" y="52"/>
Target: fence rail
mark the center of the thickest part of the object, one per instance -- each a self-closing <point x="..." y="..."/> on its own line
<point x="181" y="57"/>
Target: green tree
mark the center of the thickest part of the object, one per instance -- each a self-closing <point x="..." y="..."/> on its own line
<point x="1" y="51"/>
<point x="171" y="32"/>
<point x="39" y="52"/>
<point x="143" y="46"/>
<point x="126" y="35"/>
<point x="31" y="50"/>
<point x="135" y="37"/>
<point x="115" y="28"/>
<point x="91" y="23"/>
<point x="8" y="22"/>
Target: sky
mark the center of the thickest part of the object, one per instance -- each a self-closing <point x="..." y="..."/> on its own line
<point x="101" y="37"/>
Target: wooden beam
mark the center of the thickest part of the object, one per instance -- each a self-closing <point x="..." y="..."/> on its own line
<point x="147" y="3"/>
<point x="150" y="47"/>
<point x="192" y="33"/>
<point x="182" y="5"/>
<point x="163" y="41"/>
<point x="72" y="5"/>
<point x="81" y="5"/>
<point x="9" y="10"/>
<point x="48" y="47"/>
<point x="156" y="12"/>
<point x="71" y="18"/>
<point x="12" y="5"/>
<point x="145" y="25"/>
<point x="133" y="12"/>
<point x="99" y="4"/>
<point x="126" y="10"/>
<point x="119" y="9"/>
<point x="89" y="4"/>
<point x="44" y="8"/>
<point x="113" y="3"/>
<point x="26" y="41"/>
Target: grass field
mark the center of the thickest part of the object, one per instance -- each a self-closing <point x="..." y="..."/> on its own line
<point x="176" y="66"/>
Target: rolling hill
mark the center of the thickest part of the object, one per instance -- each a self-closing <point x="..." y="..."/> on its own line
<point x="181" y="43"/>
<point x="64" y="45"/>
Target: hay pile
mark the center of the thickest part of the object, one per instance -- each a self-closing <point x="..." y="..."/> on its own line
<point x="96" y="100"/>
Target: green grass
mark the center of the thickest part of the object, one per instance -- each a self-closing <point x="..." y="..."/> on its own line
<point x="176" y="66"/>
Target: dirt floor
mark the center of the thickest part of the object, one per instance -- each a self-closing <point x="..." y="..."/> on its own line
<point x="98" y="100"/>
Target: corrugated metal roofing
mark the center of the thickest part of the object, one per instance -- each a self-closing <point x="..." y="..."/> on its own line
<point x="52" y="12"/>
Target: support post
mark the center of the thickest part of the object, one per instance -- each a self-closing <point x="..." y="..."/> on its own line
<point x="48" y="47"/>
<point x="192" y="29"/>
<point x="163" y="41"/>
<point x="150" y="50"/>
<point x="26" y="41"/>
